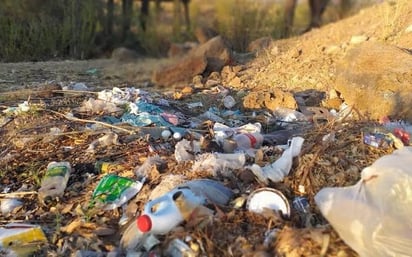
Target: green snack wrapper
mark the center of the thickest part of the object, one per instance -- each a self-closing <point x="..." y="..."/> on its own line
<point x="113" y="191"/>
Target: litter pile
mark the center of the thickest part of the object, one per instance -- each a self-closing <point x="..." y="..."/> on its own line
<point x="127" y="172"/>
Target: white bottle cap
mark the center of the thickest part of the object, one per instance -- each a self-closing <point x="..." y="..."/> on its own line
<point x="177" y="136"/>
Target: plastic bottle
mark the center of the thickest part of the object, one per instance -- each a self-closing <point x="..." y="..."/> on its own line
<point x="55" y="180"/>
<point x="245" y="141"/>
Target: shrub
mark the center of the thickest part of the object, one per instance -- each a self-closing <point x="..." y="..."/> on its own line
<point x="242" y="21"/>
<point x="40" y="30"/>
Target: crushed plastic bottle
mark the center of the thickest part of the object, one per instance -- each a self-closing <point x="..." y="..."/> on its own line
<point x="245" y="141"/>
<point x="55" y="180"/>
<point x="223" y="163"/>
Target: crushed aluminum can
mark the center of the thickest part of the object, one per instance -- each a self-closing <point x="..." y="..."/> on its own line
<point x="301" y="204"/>
<point x="378" y="140"/>
<point x="178" y="248"/>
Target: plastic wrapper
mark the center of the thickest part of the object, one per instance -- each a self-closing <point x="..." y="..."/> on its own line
<point x="150" y="162"/>
<point x="374" y="215"/>
<point x="185" y="150"/>
<point x="215" y="163"/>
<point x="17" y="235"/>
<point x="97" y="106"/>
<point x="113" y="191"/>
<point x="106" y="140"/>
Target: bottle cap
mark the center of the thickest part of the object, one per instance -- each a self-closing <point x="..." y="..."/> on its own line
<point x="144" y="223"/>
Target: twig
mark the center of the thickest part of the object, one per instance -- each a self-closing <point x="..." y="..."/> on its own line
<point x="75" y="92"/>
<point x="93" y="121"/>
<point x="18" y="194"/>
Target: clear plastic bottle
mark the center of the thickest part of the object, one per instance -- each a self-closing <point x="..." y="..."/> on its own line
<point x="245" y="141"/>
<point x="55" y="180"/>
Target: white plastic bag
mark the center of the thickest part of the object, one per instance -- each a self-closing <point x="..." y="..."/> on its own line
<point x="374" y="216"/>
<point x="279" y="169"/>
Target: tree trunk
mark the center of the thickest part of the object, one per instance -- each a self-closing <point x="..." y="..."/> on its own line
<point x="109" y="18"/>
<point x="289" y="14"/>
<point x="127" y="10"/>
<point x="187" y="16"/>
<point x="176" y="17"/>
<point x="144" y="14"/>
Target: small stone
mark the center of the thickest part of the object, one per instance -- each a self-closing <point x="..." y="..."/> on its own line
<point x="211" y="83"/>
<point x="215" y="76"/>
<point x="333" y="49"/>
<point x="358" y="39"/>
<point x="187" y="90"/>
<point x="275" y="50"/>
<point x="409" y="29"/>
<point x="235" y="82"/>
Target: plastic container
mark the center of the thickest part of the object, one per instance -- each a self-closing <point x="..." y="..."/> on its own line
<point x="164" y="213"/>
<point x="245" y="141"/>
<point x="269" y="198"/>
<point x="55" y="180"/>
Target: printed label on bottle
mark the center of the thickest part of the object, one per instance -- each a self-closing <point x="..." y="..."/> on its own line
<point x="57" y="171"/>
<point x="252" y="139"/>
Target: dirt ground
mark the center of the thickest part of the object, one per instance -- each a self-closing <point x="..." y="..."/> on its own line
<point x="297" y="64"/>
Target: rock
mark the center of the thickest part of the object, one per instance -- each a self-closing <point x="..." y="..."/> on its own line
<point x="204" y="34"/>
<point x="210" y="56"/>
<point x="358" y="39"/>
<point x="228" y="73"/>
<point x="176" y="49"/>
<point x="377" y="80"/>
<point x="184" y="70"/>
<point x="236" y="82"/>
<point x="211" y="83"/>
<point x="216" y="52"/>
<point x="259" y="44"/>
<point x="409" y="29"/>
<point x="215" y="76"/>
<point x="123" y="54"/>
<point x="332" y="103"/>
<point x="197" y="81"/>
<point x="270" y="99"/>
<point x="333" y="49"/>
<point x="275" y="51"/>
